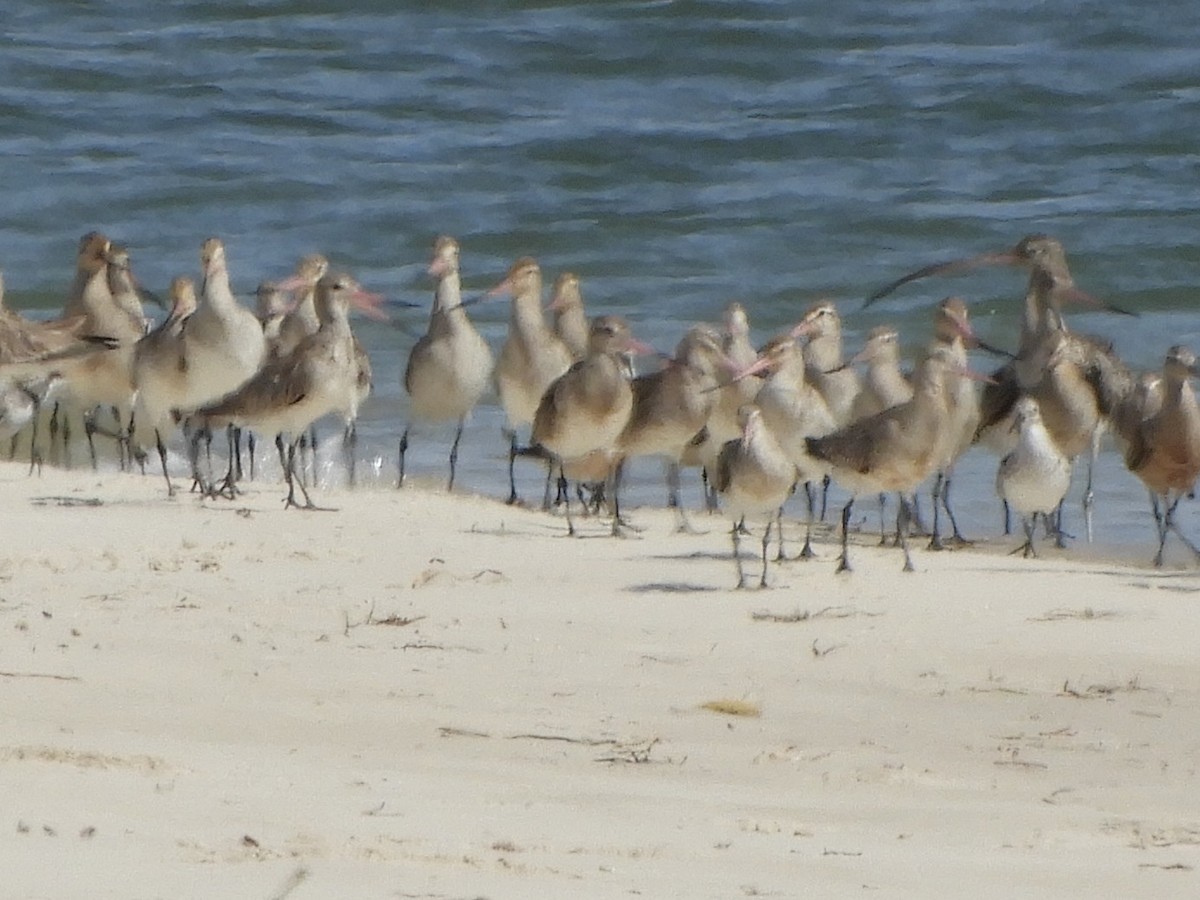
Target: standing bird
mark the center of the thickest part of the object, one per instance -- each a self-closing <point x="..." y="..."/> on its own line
<point x="271" y="306"/>
<point x="885" y="385"/>
<point x="570" y="318"/>
<point x="532" y="357"/>
<point x="1034" y="477"/>
<point x="106" y="381"/>
<point x="161" y="373"/>
<point x="755" y="478"/>
<point x="723" y="423"/>
<point x="1050" y="285"/>
<point x="89" y="295"/>
<point x="793" y="410"/>
<point x="1163" y="450"/>
<point x="837" y="384"/>
<point x="23" y="396"/>
<point x="450" y="366"/>
<point x="585" y="410"/>
<point x="894" y="450"/>
<point x="953" y="334"/>
<point x="671" y="406"/>
<point x="1069" y="407"/>
<point x="299" y="320"/>
<point x="223" y="347"/>
<point x="319" y="377"/>
<point x="302" y="320"/>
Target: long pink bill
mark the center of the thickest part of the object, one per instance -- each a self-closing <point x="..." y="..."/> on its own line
<point x="369" y="304"/>
<point x="966" y="372"/>
<point x="293" y="283"/>
<point x="641" y="348"/>
<point x="737" y="374"/>
<point x="971" y="339"/>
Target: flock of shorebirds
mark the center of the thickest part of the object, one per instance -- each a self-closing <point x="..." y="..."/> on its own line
<point x="761" y="422"/>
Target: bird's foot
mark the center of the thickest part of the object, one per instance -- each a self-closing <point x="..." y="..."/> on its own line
<point x="290" y="502"/>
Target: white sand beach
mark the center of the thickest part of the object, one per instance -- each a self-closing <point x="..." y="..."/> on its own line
<point x="422" y="695"/>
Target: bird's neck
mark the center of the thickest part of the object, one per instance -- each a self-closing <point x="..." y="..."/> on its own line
<point x="527" y="316"/>
<point x="447" y="301"/>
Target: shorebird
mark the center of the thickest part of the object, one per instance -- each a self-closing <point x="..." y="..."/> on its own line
<point x="1034" y="477"/>
<point x="319" y="377"/>
<point x="364" y="383"/>
<point x="28" y="376"/>
<point x="128" y="296"/>
<point x="532" y="357"/>
<point x="837" y="384"/>
<point x="1164" y="448"/>
<point x="1070" y="408"/>
<point x="883" y="386"/>
<point x="106" y="381"/>
<point x="794" y="410"/>
<point x="22" y="339"/>
<point x="1050" y="284"/>
<point x="225" y="347"/>
<point x="754" y="477"/>
<point x="271" y="306"/>
<point x="301" y="320"/>
<point x="953" y="333"/>
<point x="671" y="406"/>
<point x="570" y="319"/>
<point x="723" y="424"/>
<point x="161" y="373"/>
<point x="20" y="404"/>
<point x="894" y="450"/>
<point x="298" y="322"/>
<point x="450" y="366"/>
<point x="586" y="409"/>
<point x="89" y="296"/>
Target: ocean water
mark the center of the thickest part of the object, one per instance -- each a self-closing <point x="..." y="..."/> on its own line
<point x="677" y="155"/>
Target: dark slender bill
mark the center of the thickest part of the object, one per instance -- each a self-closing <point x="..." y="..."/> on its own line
<point x="994" y="350"/>
<point x="148" y="296"/>
<point x="470" y="301"/>
<point x="1075" y="295"/>
<point x="950" y="267"/>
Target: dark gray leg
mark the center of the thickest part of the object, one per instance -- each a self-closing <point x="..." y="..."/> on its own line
<point x="454" y="453"/>
<point x="844" y="562"/>
<point x="403" y="453"/>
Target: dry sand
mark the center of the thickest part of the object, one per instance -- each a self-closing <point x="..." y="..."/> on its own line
<point x="441" y="697"/>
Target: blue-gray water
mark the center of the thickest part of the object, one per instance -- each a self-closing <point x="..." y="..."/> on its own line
<point x="676" y="155"/>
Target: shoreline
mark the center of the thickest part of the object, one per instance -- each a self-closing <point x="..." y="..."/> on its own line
<point x="432" y="695"/>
